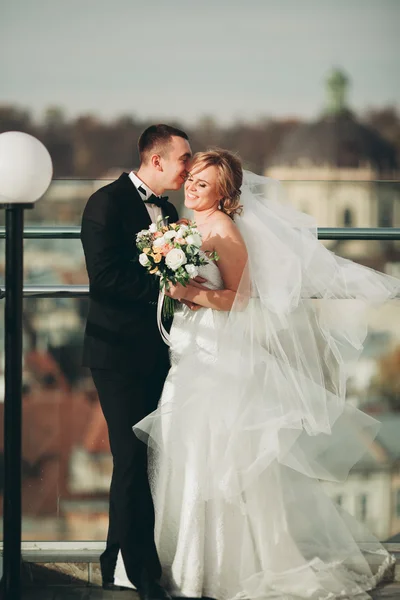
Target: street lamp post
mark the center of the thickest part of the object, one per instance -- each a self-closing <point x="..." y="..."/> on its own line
<point x="25" y="174"/>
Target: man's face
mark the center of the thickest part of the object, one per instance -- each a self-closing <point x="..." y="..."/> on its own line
<point x="175" y="163"/>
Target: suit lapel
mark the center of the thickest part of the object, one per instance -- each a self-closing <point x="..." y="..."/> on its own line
<point x="137" y="217"/>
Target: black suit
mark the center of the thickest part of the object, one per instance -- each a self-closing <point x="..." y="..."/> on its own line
<point x="128" y="361"/>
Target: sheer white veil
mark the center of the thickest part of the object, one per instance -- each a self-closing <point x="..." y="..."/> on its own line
<point x="297" y="264"/>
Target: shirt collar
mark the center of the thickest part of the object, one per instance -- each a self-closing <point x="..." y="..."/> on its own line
<point x="138" y="182"/>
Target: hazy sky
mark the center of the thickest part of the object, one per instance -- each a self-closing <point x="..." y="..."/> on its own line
<point x="185" y="59"/>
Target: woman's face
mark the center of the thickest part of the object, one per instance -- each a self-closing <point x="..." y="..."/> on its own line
<point x="201" y="189"/>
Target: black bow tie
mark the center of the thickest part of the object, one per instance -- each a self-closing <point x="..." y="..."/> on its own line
<point x="159" y="201"/>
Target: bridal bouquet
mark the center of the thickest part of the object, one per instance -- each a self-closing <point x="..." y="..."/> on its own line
<point x="172" y="253"/>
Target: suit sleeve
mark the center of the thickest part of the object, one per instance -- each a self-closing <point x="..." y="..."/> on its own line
<point x="113" y="276"/>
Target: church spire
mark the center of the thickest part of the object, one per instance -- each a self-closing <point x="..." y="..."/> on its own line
<point x="336" y="92"/>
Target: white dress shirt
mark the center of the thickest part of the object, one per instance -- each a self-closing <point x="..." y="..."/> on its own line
<point x="153" y="210"/>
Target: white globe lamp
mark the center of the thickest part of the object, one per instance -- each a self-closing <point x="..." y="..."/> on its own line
<point x="25" y="168"/>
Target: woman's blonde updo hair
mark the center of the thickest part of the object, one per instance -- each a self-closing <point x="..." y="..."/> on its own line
<point x="230" y="177"/>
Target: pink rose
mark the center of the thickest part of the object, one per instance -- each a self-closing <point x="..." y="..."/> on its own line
<point x="165" y="249"/>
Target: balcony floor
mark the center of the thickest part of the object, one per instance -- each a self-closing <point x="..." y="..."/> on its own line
<point x="71" y="571"/>
<point x="388" y="592"/>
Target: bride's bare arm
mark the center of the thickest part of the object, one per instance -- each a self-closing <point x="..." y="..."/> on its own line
<point x="230" y="247"/>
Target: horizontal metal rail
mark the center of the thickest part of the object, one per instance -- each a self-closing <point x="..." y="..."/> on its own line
<point x="82" y="291"/>
<point x="324" y="233"/>
<point x="48" y="233"/>
<point x="52" y="291"/>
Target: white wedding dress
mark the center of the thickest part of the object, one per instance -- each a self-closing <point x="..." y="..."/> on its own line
<point x="251" y="419"/>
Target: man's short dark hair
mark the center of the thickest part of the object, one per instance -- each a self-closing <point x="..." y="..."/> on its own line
<point x="156" y="138"/>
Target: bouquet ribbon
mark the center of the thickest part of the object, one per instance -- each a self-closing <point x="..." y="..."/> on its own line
<point x="164" y="333"/>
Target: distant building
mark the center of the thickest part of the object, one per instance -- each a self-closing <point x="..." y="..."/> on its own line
<point x="66" y="460"/>
<point x="343" y="173"/>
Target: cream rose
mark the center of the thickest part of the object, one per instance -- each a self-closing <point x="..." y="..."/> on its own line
<point x="143" y="259"/>
<point x="175" y="259"/>
<point x="169" y="235"/>
<point x="182" y="231"/>
<point x="194" y="239"/>
<point x="158" y="242"/>
<point x="192" y="270"/>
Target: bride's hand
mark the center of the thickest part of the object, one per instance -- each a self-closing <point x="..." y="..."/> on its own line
<point x="198" y="279"/>
<point x="191" y="305"/>
<point x="197" y="282"/>
<point x="176" y="291"/>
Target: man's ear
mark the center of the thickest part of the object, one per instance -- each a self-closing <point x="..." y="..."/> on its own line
<point x="156" y="162"/>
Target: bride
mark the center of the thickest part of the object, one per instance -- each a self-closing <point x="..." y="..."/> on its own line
<point x="253" y="416"/>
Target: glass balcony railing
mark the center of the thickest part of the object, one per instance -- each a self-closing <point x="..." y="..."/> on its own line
<point x="66" y="459"/>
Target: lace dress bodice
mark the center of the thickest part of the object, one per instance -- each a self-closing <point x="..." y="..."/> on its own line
<point x="211" y="273"/>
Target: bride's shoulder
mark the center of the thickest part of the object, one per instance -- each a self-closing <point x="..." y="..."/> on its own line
<point x="226" y="236"/>
<point x="226" y="227"/>
<point x="223" y="222"/>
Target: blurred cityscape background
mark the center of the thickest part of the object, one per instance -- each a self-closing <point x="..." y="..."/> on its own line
<point x="307" y="92"/>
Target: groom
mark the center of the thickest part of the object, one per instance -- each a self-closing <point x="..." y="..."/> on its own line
<point x="122" y="345"/>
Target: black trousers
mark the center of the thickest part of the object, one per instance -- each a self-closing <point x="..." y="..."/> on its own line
<point x="126" y="398"/>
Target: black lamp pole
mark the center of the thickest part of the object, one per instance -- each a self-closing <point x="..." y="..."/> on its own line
<point x="11" y="582"/>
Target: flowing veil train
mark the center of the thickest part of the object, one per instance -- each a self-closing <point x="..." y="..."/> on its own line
<point x="254" y="416"/>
